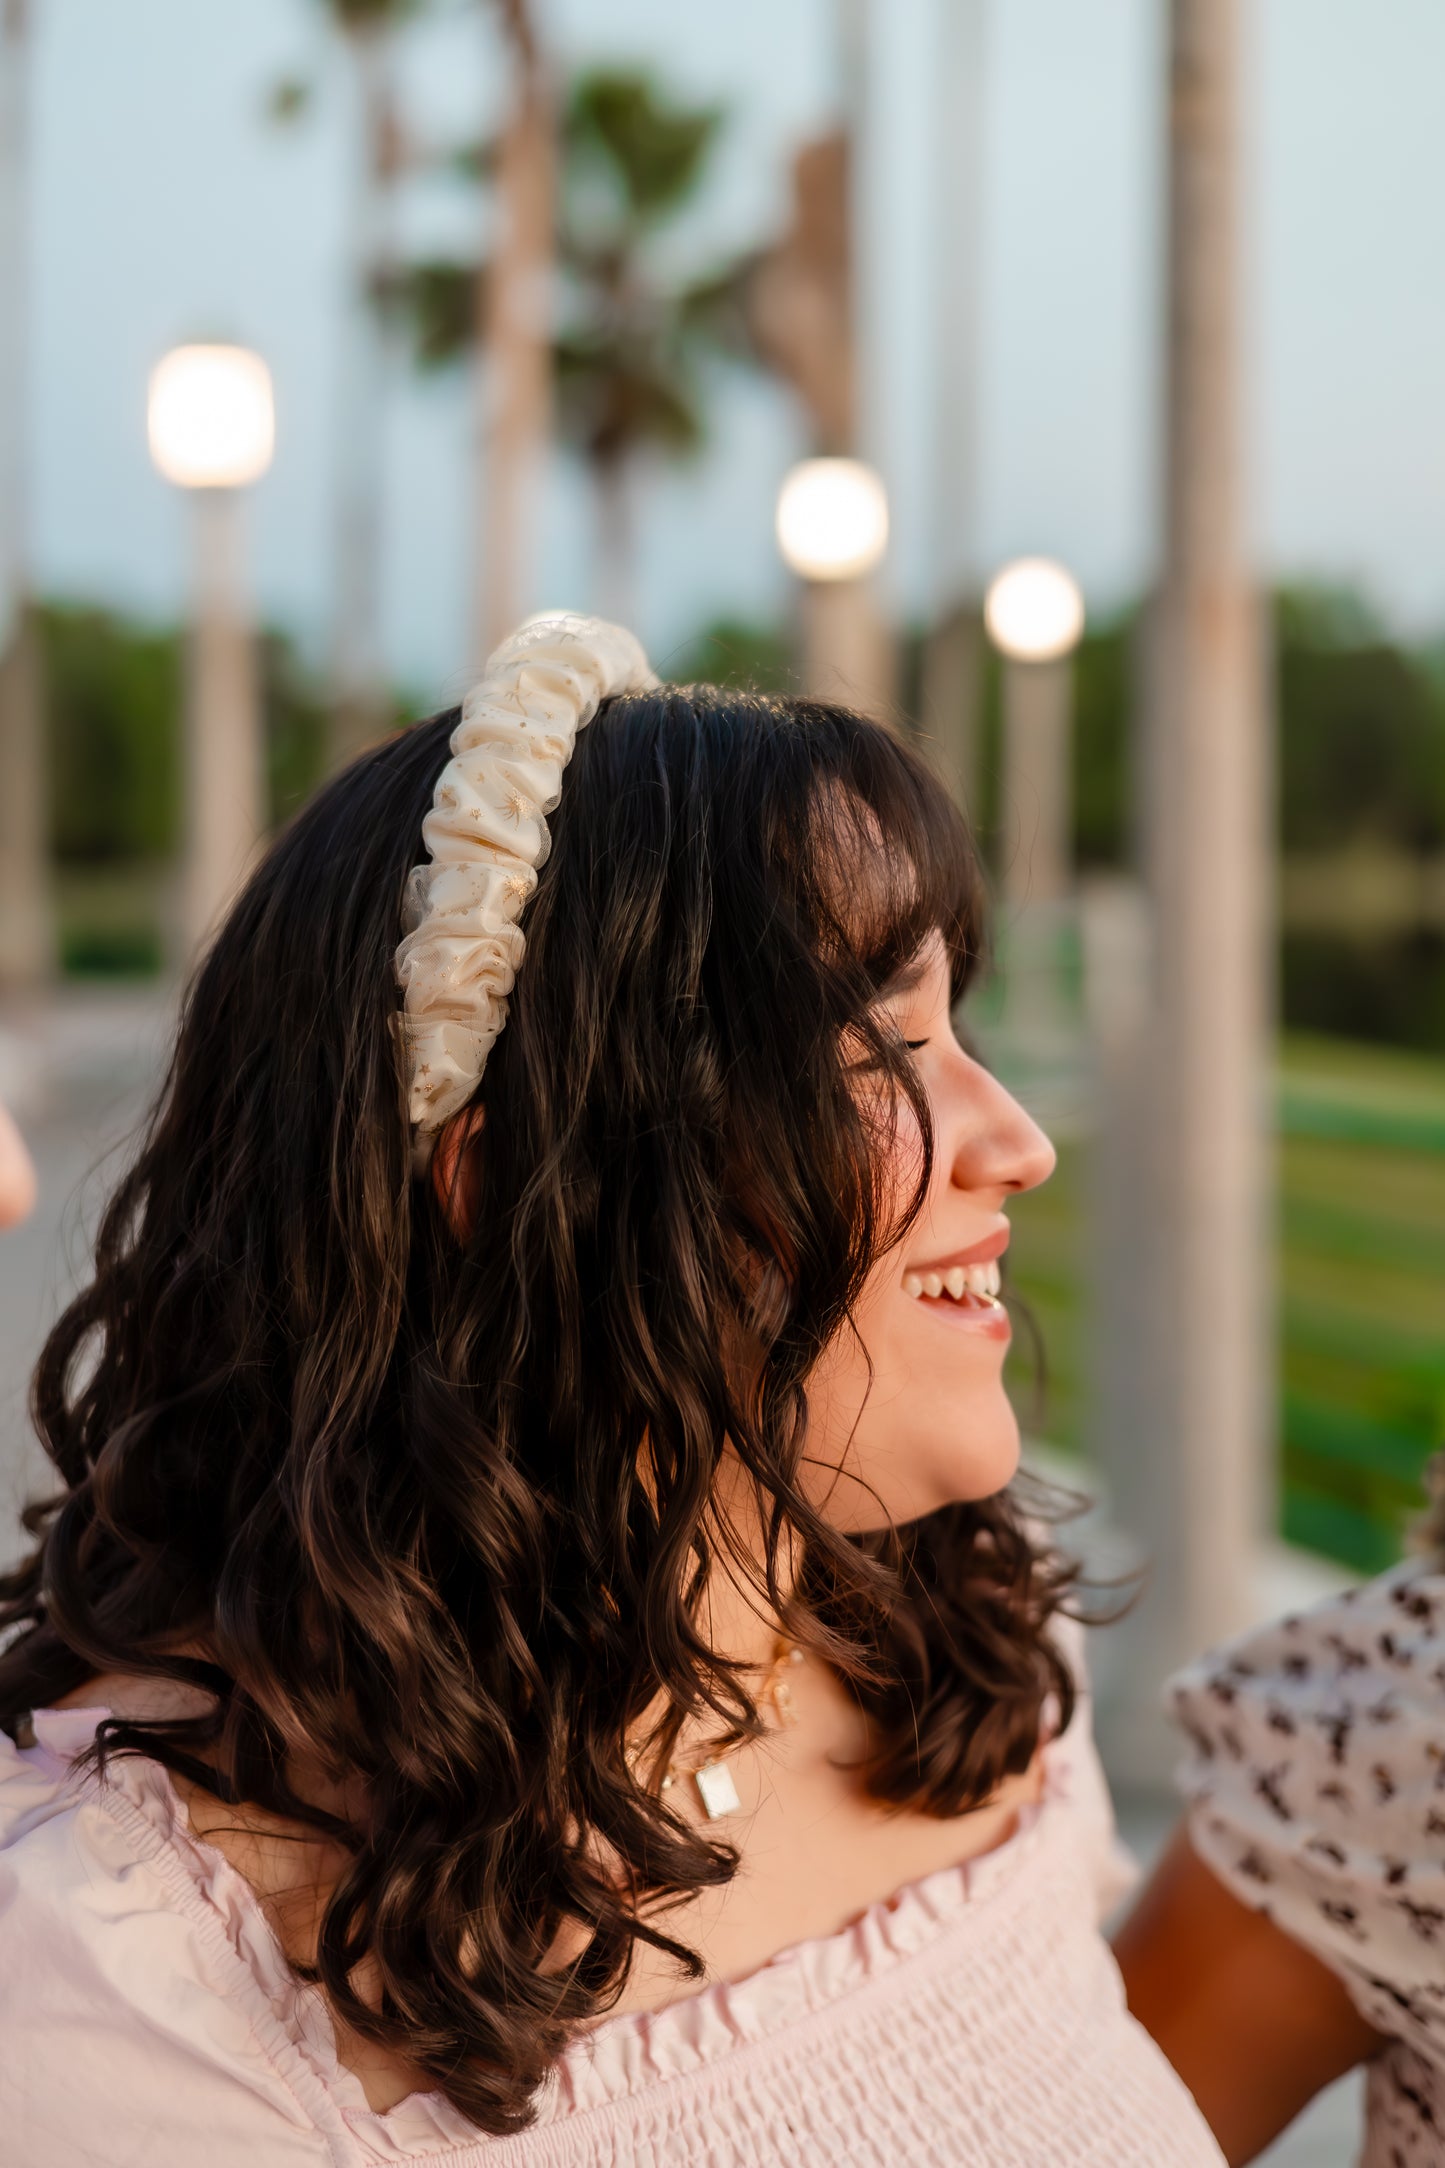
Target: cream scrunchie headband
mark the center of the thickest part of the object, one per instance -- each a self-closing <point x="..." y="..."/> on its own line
<point x="487" y="837"/>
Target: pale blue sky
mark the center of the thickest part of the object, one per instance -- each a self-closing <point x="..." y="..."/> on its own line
<point x="164" y="205"/>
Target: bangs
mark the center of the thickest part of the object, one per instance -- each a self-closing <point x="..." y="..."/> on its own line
<point x="891" y="861"/>
<point x="802" y="846"/>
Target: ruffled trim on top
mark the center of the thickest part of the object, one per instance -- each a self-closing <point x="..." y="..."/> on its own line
<point x="487" y="837"/>
<point x="622" y="2055"/>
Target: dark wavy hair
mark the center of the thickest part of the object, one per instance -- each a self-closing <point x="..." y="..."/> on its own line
<point x="440" y="1511"/>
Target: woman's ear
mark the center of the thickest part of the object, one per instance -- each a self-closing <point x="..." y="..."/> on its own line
<point x="456" y="1170"/>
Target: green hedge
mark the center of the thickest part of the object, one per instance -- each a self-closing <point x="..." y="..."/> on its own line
<point x="114" y="694"/>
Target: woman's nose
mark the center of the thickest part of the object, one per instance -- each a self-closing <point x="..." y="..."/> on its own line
<point x="1002" y="1147"/>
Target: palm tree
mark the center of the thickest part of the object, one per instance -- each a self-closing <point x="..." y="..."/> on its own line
<point x="512" y="320"/>
<point x="369" y="30"/>
<point x="26" y="938"/>
<point x="632" y="342"/>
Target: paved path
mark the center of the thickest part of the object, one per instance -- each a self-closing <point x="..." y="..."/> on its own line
<point x="77" y="1074"/>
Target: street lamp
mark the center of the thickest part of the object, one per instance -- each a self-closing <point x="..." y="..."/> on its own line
<point x="1034" y="614"/>
<point x="832" y="528"/>
<point x="212" y="428"/>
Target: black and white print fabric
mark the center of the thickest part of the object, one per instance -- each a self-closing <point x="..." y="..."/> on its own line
<point x="1315" y="1775"/>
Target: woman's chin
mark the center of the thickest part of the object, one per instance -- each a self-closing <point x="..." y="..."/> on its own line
<point x="959" y="1469"/>
<point x="983" y="1461"/>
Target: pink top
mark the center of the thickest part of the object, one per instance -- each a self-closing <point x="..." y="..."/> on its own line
<point x="149" y="2017"/>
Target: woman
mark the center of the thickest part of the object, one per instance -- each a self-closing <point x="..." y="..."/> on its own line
<point x="1296" y="1925"/>
<point x="466" y="1431"/>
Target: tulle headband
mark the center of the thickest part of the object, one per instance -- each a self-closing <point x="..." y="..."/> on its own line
<point x="487" y="836"/>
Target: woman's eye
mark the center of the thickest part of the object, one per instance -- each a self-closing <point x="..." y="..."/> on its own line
<point x="914" y="1045"/>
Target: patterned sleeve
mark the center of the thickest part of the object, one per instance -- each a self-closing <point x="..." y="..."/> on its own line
<point x="1315" y="1776"/>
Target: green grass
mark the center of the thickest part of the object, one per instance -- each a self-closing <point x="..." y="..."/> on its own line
<point x="1361" y="1277"/>
<point x="1362" y="1326"/>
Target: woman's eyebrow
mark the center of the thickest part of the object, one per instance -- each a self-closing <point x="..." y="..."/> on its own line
<point x="907" y="978"/>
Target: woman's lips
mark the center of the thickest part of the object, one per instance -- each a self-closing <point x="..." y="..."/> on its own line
<point x="975" y="1313"/>
<point x="982" y="1252"/>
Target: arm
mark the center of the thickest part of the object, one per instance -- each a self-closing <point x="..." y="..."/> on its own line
<point x="1254" y="2025"/>
<point x="17" y="1176"/>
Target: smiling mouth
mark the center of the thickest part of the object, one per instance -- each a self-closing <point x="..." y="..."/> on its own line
<point x="963" y="1284"/>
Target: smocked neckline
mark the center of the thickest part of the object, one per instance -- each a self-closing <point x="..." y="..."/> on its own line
<point x="619" y="2054"/>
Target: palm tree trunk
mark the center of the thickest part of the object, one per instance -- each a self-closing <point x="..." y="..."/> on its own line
<point x="514" y="348"/>
<point x="358" y="665"/>
<point x="26" y="932"/>
<point x="615" y="571"/>
<point x="951" y="694"/>
<point x="1197" y="1480"/>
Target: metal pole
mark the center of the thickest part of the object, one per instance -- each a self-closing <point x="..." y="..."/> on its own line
<point x="847" y="653"/>
<point x="1196" y="1483"/>
<point x="1038" y="702"/>
<point x="1036" y="845"/>
<point x="27" y="937"/>
<point x="225" y="795"/>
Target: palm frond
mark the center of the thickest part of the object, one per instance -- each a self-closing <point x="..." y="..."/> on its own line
<point x="652" y="151"/>
<point x="615" y="399"/>
<point x="437" y="301"/>
<point x="289" y="99"/>
<point x="352" y="16"/>
<point x="713" y="311"/>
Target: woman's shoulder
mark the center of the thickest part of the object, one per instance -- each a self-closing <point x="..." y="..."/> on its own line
<point x="129" y="1973"/>
<point x="1315" y="1774"/>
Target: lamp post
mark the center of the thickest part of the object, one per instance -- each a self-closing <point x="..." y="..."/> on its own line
<point x="832" y="528"/>
<point x="1034" y="615"/>
<point x="212" y="432"/>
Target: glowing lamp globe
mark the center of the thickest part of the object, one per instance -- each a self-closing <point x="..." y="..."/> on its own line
<point x="211" y="417"/>
<point x="1034" y="610"/>
<point x="832" y="520"/>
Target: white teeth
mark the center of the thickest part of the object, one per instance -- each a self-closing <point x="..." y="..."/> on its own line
<point x="982" y="1281"/>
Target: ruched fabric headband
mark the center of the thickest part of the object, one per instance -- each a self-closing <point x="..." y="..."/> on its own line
<point x="487" y="836"/>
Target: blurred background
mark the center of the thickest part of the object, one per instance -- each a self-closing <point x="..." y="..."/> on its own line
<point x="1061" y="383"/>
